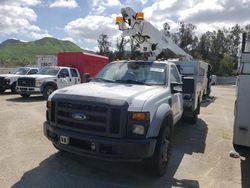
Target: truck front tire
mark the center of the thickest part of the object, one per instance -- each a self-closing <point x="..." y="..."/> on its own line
<point x="2" y="90"/>
<point x="47" y="91"/>
<point x="13" y="88"/>
<point x="158" y="162"/>
<point x="25" y="95"/>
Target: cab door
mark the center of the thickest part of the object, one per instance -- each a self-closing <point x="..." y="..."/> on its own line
<point x="63" y="79"/>
<point x="177" y="101"/>
<point x="75" y="79"/>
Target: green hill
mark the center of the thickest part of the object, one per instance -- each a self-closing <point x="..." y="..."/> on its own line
<point x="17" y="53"/>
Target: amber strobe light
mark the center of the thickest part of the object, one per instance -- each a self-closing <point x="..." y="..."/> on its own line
<point x="118" y="19"/>
<point x="140" y="16"/>
<point x="140" y="115"/>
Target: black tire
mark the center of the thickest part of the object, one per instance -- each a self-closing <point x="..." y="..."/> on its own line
<point x="58" y="148"/>
<point x="193" y="119"/>
<point x="2" y="90"/>
<point x="158" y="162"/>
<point x="25" y="95"/>
<point x="47" y="91"/>
<point x="13" y="88"/>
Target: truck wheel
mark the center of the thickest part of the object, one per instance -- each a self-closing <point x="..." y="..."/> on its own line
<point x="194" y="117"/>
<point x="47" y="91"/>
<point x="25" y="95"/>
<point x="58" y="148"/>
<point x="13" y="88"/>
<point x="158" y="162"/>
<point x="2" y="90"/>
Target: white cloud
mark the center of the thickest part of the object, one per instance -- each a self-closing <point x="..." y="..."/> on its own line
<point x="88" y="29"/>
<point x="64" y="4"/>
<point x="205" y="14"/>
<point x="99" y="6"/>
<point x="17" y="18"/>
<point x="20" y="2"/>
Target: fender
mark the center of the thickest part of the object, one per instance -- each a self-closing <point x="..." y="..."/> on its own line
<point x="161" y="113"/>
<point x="44" y="84"/>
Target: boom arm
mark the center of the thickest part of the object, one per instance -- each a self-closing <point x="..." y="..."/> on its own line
<point x="149" y="38"/>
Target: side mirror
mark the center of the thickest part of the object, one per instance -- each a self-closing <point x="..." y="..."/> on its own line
<point x="86" y="77"/>
<point x="176" y="87"/>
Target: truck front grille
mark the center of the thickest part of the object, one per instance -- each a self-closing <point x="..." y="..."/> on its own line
<point x="26" y="82"/>
<point x="91" y="117"/>
<point x="1" y="81"/>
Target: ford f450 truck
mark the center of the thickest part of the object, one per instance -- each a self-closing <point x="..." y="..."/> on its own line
<point x="127" y="112"/>
<point x="8" y="81"/>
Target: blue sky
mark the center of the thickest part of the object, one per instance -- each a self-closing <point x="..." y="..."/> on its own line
<point x="83" y="21"/>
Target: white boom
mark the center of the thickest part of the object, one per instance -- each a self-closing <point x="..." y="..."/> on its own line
<point x="150" y="39"/>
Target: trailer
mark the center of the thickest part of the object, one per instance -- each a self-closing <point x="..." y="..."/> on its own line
<point x="86" y="63"/>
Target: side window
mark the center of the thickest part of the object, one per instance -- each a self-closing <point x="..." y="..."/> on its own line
<point x="174" y="74"/>
<point x="33" y="71"/>
<point x="64" y="73"/>
<point x="73" y="73"/>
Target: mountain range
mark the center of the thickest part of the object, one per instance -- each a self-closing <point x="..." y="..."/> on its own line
<point x="14" y="52"/>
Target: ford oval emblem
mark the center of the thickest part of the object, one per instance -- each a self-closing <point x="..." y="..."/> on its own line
<point x="79" y="116"/>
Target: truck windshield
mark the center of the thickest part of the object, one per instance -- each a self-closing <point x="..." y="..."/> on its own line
<point x="49" y="71"/>
<point x="21" y="71"/>
<point x="141" y="73"/>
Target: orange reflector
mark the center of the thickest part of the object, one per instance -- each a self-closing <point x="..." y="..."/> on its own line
<point x="140" y="16"/>
<point x="140" y="116"/>
<point x="118" y="19"/>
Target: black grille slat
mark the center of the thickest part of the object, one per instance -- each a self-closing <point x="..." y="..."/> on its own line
<point x="1" y="80"/>
<point x="115" y="120"/>
<point x="79" y="126"/>
<point x="60" y="109"/>
<point x="85" y="123"/>
<point x="26" y="82"/>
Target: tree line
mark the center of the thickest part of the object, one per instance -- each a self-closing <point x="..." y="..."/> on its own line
<point x="218" y="48"/>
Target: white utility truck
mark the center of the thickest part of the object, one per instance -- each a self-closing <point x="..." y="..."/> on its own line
<point x="47" y="80"/>
<point x="8" y="81"/>
<point x="128" y="111"/>
<point x="195" y="73"/>
<point x="241" y="134"/>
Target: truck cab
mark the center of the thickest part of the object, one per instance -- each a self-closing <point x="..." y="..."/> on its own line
<point x="8" y="81"/>
<point x="127" y="112"/>
<point x="47" y="80"/>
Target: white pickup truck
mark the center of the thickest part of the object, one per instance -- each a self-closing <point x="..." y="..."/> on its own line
<point x="8" y="81"/>
<point x="127" y="112"/>
<point x="47" y="80"/>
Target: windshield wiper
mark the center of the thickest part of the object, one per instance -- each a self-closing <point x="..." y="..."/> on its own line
<point x="103" y="80"/>
<point x="132" y="82"/>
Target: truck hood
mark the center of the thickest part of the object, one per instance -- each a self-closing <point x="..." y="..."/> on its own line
<point x="39" y="76"/>
<point x="135" y="95"/>
<point x="6" y="75"/>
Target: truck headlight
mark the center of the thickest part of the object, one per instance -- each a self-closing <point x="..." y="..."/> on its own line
<point x="138" y="123"/>
<point x="38" y="83"/>
<point x="138" y="129"/>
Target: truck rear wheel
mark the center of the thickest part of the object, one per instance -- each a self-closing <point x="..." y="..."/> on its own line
<point x="158" y="162"/>
<point x="13" y="88"/>
<point x="25" y="95"/>
<point x="47" y="91"/>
